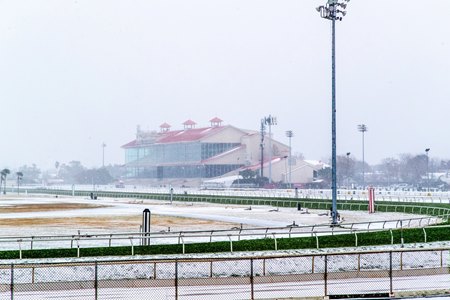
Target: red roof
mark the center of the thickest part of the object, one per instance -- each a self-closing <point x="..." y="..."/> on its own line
<point x="216" y="120"/>
<point x="164" y="125"/>
<point x="189" y="122"/>
<point x="190" y="135"/>
<point x="177" y="136"/>
<point x="130" y="144"/>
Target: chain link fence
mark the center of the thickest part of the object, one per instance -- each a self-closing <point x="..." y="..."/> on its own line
<point x="292" y="276"/>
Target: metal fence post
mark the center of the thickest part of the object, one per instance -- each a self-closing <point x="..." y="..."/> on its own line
<point x="176" y="280"/>
<point x="12" y="282"/>
<point x="325" y="276"/>
<point x="146" y="223"/>
<point x="252" y="295"/>
<point x="390" y="274"/>
<point x="96" y="280"/>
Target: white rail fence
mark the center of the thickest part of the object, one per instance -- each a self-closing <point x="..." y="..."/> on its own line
<point x="132" y="239"/>
<point x="343" y="194"/>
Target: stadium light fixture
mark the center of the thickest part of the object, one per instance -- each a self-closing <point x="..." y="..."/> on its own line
<point x="270" y="121"/>
<point x="331" y="12"/>
<point x="363" y="128"/>
<point x="290" y="134"/>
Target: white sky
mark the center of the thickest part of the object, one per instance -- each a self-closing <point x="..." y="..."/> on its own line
<point x="74" y="74"/>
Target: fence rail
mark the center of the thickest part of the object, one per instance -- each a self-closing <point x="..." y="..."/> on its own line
<point x="311" y="275"/>
<point x="342" y="194"/>
<point x="436" y="214"/>
<point x="183" y="237"/>
<point x="234" y="197"/>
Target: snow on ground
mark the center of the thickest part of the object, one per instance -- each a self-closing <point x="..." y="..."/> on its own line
<point x="20" y="219"/>
<point x="263" y="216"/>
<point x="248" y="216"/>
<point x="237" y="267"/>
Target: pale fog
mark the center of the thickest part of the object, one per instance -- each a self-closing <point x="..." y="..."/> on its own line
<point x="77" y="74"/>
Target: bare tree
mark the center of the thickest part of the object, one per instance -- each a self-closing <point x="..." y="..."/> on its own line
<point x="413" y="168"/>
<point x="390" y="167"/>
<point x="345" y="169"/>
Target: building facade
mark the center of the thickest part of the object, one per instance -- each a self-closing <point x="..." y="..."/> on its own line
<point x="210" y="152"/>
<point x="192" y="152"/>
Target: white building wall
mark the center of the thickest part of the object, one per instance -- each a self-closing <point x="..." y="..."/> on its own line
<point x="228" y="134"/>
<point x="302" y="172"/>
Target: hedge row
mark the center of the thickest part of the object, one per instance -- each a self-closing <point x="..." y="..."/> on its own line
<point x="410" y="235"/>
<point x="413" y="235"/>
<point x="436" y="209"/>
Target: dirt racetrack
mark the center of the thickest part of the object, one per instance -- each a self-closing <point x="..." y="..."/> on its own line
<point x="46" y="215"/>
<point x="123" y="223"/>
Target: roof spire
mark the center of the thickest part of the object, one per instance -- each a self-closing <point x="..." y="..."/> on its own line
<point x="189" y="124"/>
<point x="164" y="127"/>
<point x="216" y="122"/>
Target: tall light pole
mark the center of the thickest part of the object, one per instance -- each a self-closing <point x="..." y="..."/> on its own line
<point x="270" y="121"/>
<point x="363" y="128"/>
<point x="290" y="134"/>
<point x="333" y="10"/>
<point x="348" y="169"/>
<point x="103" y="154"/>
<point x="261" y="145"/>
<point x="428" y="173"/>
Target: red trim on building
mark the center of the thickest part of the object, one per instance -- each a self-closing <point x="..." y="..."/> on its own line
<point x="191" y="135"/>
<point x="178" y="136"/>
<point x="131" y="144"/>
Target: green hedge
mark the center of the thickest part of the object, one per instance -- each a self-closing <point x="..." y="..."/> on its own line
<point x="413" y="235"/>
<point x="325" y="204"/>
<point x="410" y="235"/>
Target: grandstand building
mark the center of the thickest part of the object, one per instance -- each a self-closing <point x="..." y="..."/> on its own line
<point x="203" y="153"/>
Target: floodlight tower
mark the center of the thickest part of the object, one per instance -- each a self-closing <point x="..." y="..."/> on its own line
<point x="333" y="10"/>
<point x="270" y="121"/>
<point x="348" y="169"/>
<point x="363" y="128"/>
<point x="428" y="173"/>
<point x="261" y="145"/>
<point x="290" y="134"/>
<point x="103" y="154"/>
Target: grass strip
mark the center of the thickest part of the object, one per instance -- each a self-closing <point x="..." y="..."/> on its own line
<point x="409" y="236"/>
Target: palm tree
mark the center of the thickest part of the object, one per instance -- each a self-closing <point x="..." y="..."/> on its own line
<point x="4" y="174"/>
<point x="19" y="178"/>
